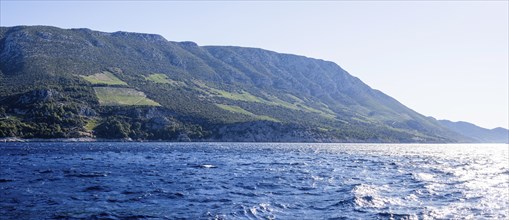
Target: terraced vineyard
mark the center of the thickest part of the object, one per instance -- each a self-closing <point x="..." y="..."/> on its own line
<point x="162" y="79"/>
<point x="111" y="96"/>
<point x="104" y="78"/>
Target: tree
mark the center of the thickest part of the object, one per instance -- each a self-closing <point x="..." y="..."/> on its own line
<point x="113" y="127"/>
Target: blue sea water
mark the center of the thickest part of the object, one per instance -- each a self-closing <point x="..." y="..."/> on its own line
<point x="253" y="181"/>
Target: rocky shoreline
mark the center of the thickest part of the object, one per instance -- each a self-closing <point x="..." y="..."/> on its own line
<point x="15" y="139"/>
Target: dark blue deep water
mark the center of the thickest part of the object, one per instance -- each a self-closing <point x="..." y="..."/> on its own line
<point x="252" y="181"/>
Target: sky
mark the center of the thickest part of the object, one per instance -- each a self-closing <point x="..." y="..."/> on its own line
<point x="445" y="59"/>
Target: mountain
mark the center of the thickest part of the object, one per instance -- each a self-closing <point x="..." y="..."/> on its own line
<point x="61" y="83"/>
<point x="483" y="135"/>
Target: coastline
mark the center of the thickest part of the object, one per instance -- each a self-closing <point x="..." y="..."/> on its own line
<point x="15" y="139"/>
<point x="88" y="139"/>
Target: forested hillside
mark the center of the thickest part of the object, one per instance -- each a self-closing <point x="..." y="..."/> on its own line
<point x="63" y="83"/>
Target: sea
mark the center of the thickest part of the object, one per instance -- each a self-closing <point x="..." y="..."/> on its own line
<point x="128" y="180"/>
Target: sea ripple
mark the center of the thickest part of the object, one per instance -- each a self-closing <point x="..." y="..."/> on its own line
<point x="253" y="181"/>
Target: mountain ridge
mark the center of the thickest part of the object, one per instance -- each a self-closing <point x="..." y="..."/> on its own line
<point x="214" y="93"/>
<point x="484" y="135"/>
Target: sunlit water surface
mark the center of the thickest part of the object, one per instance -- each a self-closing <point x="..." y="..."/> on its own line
<point x="252" y="181"/>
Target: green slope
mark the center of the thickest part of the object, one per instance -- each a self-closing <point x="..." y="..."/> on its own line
<point x="104" y="78"/>
<point x="158" y="89"/>
<point x="122" y="96"/>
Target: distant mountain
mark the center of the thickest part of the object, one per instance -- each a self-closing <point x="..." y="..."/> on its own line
<point x="483" y="135"/>
<point x="82" y="83"/>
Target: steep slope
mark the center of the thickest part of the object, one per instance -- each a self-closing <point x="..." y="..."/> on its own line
<point x="145" y="87"/>
<point x="483" y="135"/>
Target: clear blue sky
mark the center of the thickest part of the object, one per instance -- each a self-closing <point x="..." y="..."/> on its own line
<point x="446" y="59"/>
